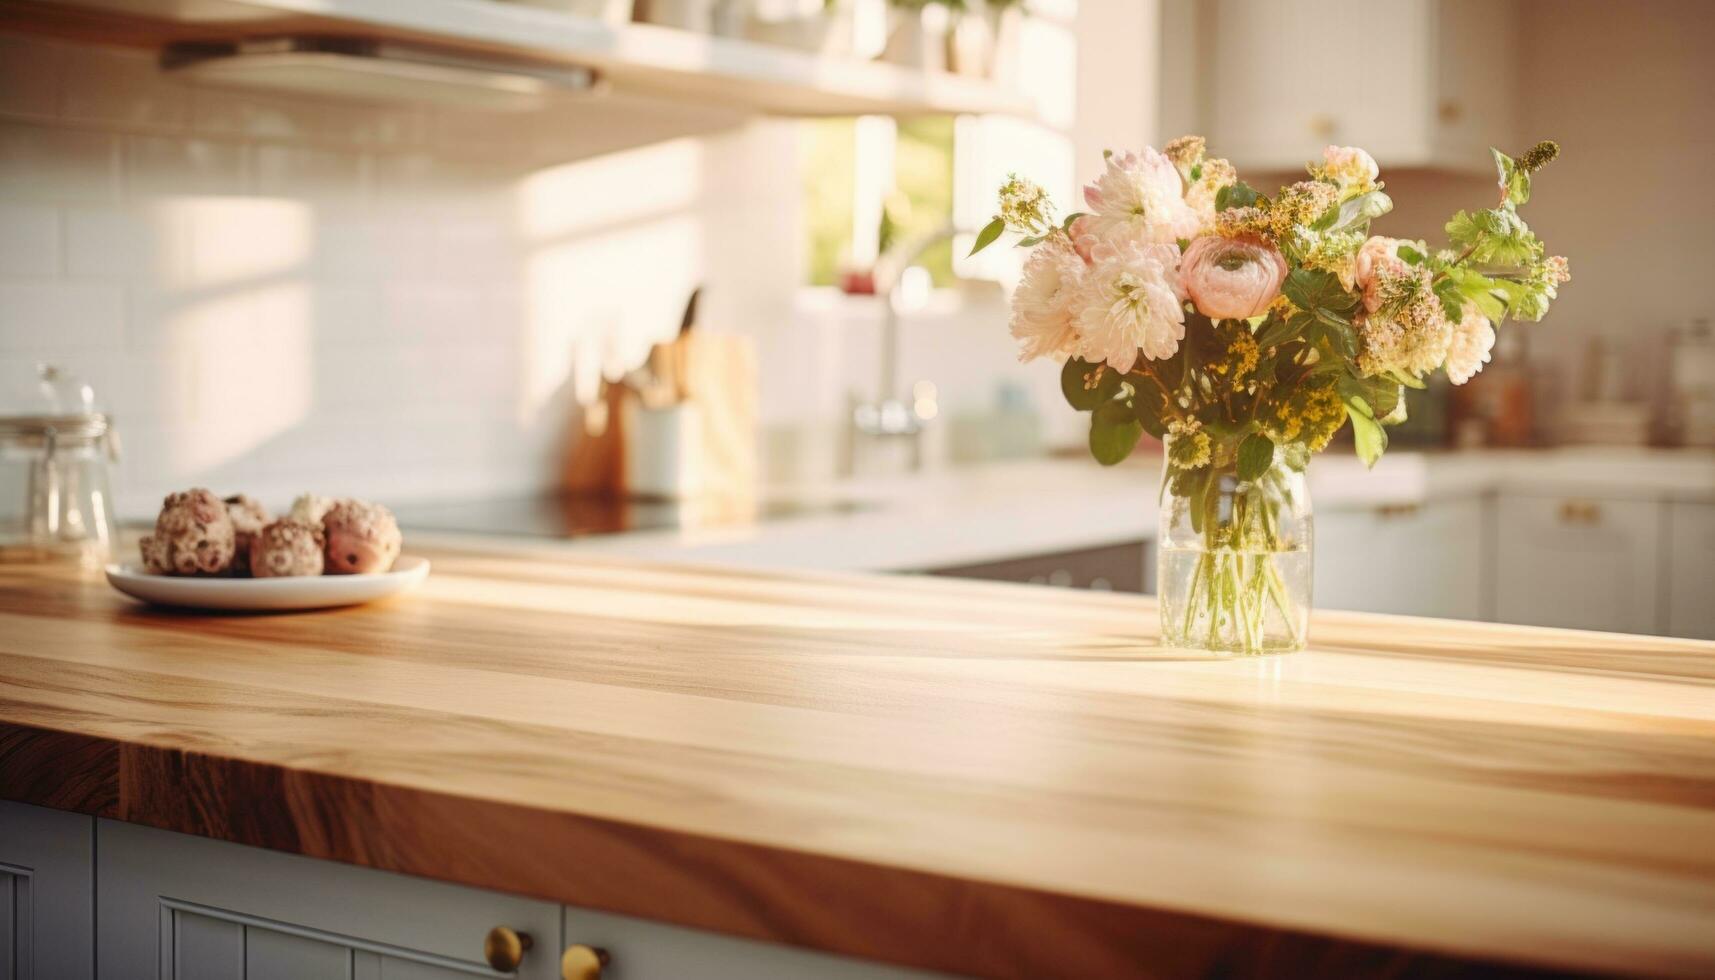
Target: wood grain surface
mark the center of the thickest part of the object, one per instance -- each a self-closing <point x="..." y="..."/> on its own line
<point x="979" y="778"/>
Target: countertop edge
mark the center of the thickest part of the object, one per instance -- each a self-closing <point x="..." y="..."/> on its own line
<point x="901" y="916"/>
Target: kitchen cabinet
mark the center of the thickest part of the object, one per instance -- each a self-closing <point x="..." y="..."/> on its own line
<point x="47" y="893"/>
<point x="1432" y="87"/>
<point x="1579" y="562"/>
<point x="1690" y="582"/>
<point x="1111" y="568"/>
<point x="210" y="910"/>
<point x="1411" y="559"/>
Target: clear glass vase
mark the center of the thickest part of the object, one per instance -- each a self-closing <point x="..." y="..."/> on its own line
<point x="1234" y="571"/>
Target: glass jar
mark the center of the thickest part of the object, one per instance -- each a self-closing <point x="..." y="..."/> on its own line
<point x="55" y="501"/>
<point x="1234" y="565"/>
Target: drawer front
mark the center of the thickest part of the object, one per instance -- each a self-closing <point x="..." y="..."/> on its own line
<point x="186" y="908"/>
<point x="47" y="897"/>
<point x="1413" y="560"/>
<point x="644" y="950"/>
<point x="1579" y="562"/>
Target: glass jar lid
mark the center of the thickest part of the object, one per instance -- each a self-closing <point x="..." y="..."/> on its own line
<point x="48" y="399"/>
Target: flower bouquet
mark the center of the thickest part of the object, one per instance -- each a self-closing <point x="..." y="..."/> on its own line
<point x="1245" y="331"/>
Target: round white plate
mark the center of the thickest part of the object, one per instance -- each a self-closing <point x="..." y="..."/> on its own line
<point x="261" y="594"/>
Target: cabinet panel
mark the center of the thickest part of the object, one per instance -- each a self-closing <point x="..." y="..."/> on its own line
<point x="271" y="955"/>
<point x="1578" y="562"/>
<point x="1691" y="570"/>
<point x="1410" y="560"/>
<point x="205" y="948"/>
<point x="644" y="950"/>
<point x="292" y="916"/>
<point x="47" y="895"/>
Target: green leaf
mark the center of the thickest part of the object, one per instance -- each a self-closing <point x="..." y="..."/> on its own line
<point x="1278" y="330"/>
<point x="1235" y="195"/>
<point x="1066" y="225"/>
<point x="1410" y="255"/>
<point x="1359" y="210"/>
<point x="1514" y="180"/>
<point x="1379" y="395"/>
<point x="1367" y="433"/>
<point x="1311" y="289"/>
<point x="1146" y="405"/>
<point x="1494" y="236"/>
<point x="986" y="237"/>
<point x="1114" y="431"/>
<point x="1074" y="384"/>
<point x="1337" y="331"/>
<point x="1256" y="455"/>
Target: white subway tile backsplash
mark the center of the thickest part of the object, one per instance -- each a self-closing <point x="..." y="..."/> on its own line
<point x="60" y="320"/>
<point x="107" y="241"/>
<point x="319" y="175"/>
<point x="157" y="166"/>
<point x="279" y="294"/>
<point x="43" y="164"/>
<point x="123" y="87"/>
<point x="29" y="239"/>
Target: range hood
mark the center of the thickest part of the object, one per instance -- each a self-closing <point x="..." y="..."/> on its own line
<point x="377" y="71"/>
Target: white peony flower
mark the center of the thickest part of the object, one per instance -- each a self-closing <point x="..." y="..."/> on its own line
<point x="1473" y="339"/>
<point x="1140" y="198"/>
<point x="1042" y="305"/>
<point x="1130" y="299"/>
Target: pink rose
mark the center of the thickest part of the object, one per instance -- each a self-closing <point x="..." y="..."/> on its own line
<point x="1232" y="278"/>
<point x="1350" y="166"/>
<point x="1378" y="258"/>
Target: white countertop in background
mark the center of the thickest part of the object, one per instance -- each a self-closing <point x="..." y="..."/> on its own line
<point x="1010" y="509"/>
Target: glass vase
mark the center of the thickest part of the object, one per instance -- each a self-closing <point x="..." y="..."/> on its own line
<point x="1234" y="566"/>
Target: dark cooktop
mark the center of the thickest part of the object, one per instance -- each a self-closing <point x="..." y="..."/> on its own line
<point x="577" y="515"/>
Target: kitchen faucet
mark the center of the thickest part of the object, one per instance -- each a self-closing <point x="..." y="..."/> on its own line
<point x="890" y="416"/>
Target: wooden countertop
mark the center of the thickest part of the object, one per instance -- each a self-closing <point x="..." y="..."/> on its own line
<point x="977" y="778"/>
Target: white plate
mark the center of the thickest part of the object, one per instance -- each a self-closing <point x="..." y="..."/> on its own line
<point x="260" y="594"/>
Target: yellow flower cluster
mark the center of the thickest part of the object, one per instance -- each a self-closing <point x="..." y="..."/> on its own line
<point x="1242" y="351"/>
<point x="1300" y="204"/>
<point x="1188" y="445"/>
<point x="1186" y="152"/>
<point x="1025" y="207"/>
<point x="1283" y="219"/>
<point x="1336" y="252"/>
<point x="1311" y="414"/>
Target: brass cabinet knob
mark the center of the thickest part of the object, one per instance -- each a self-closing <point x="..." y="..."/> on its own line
<point x="504" y="949"/>
<point x="1586" y="512"/>
<point x="582" y="962"/>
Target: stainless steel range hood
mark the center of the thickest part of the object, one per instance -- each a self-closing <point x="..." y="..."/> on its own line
<point x="378" y="71"/>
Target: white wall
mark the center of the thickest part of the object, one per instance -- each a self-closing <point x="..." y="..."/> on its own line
<point x="282" y="294"/>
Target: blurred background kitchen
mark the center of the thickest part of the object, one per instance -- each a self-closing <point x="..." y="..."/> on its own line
<point x="685" y="278"/>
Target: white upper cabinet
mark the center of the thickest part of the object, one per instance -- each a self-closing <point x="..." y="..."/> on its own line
<point x="1418" y="83"/>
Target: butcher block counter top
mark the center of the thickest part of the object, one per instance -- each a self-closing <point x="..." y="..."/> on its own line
<point x="975" y="778"/>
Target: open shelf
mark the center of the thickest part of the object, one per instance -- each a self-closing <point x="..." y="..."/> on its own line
<point x="636" y="59"/>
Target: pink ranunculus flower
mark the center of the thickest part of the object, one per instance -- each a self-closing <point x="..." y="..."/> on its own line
<point x="1378" y="258"/>
<point x="1140" y="198"/>
<point x="1232" y="278"/>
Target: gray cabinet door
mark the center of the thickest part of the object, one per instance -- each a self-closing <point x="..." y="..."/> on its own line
<point x="186" y="908"/>
<point x="1579" y="562"/>
<point x="47" y="894"/>
<point x="1691" y="570"/>
<point x="644" y="950"/>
